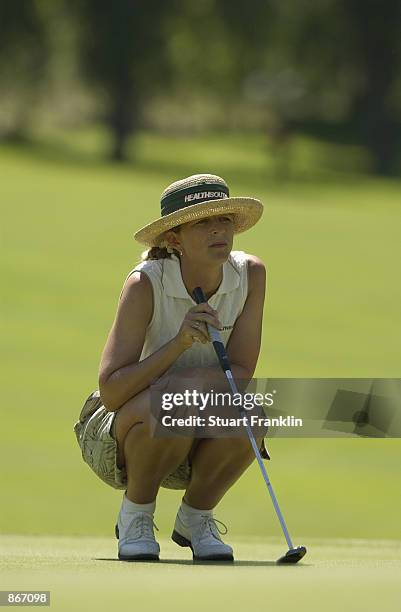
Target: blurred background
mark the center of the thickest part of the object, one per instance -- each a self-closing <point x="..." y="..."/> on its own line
<point x="102" y="105"/>
<point x="317" y="84"/>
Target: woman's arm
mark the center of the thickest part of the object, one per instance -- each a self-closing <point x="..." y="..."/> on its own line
<point x="121" y="374"/>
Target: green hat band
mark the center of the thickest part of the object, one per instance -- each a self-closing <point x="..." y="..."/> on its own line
<point x="195" y="194"/>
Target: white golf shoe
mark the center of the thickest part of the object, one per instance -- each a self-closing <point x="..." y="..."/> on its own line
<point x="136" y="538"/>
<point x="202" y="535"/>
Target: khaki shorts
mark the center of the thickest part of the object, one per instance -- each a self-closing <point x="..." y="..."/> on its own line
<point x="96" y="438"/>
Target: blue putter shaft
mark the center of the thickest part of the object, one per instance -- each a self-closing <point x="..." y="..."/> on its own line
<point x="223" y="360"/>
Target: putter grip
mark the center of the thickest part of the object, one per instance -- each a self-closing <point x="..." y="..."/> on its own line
<point x="218" y="345"/>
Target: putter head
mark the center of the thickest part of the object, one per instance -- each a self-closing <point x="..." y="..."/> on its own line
<point x="293" y="555"/>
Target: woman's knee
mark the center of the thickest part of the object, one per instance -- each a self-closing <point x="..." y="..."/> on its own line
<point x="139" y="439"/>
<point x="247" y="446"/>
<point x="189" y="372"/>
<point x="197" y="378"/>
<point x="194" y="373"/>
<point x="240" y="447"/>
<point x="135" y="410"/>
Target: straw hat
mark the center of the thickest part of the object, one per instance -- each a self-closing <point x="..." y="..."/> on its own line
<point x="196" y="197"/>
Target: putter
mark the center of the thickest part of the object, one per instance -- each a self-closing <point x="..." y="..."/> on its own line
<point x="293" y="555"/>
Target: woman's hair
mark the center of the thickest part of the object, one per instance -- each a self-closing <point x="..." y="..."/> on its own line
<point x="158" y="252"/>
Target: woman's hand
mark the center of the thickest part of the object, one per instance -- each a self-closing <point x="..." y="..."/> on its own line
<point x="194" y="328"/>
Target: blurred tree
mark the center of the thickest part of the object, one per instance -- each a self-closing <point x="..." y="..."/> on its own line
<point x="376" y="34"/>
<point x="331" y="67"/>
<point x="249" y="25"/>
<point x="122" y="51"/>
<point x="24" y="52"/>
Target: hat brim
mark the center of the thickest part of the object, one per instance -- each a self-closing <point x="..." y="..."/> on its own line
<point x="246" y="211"/>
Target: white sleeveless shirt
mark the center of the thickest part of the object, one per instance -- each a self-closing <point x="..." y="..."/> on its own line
<point x="171" y="302"/>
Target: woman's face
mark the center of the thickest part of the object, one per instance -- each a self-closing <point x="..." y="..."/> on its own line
<point x="209" y="239"/>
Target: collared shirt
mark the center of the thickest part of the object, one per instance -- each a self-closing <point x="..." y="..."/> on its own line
<point x="171" y="302"/>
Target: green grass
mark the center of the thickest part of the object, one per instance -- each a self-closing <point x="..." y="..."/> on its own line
<point x="331" y="243"/>
<point x="83" y="573"/>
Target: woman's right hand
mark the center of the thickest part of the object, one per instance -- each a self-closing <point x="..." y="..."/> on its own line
<point x="194" y="328"/>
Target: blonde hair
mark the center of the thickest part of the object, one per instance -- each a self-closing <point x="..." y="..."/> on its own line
<point x="155" y="253"/>
<point x="160" y="252"/>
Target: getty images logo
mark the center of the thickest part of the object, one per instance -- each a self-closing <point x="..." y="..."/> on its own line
<point x="205" y="195"/>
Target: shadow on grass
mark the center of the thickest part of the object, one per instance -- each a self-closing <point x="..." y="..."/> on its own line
<point x="242" y="563"/>
<point x="55" y="152"/>
<point x="71" y="154"/>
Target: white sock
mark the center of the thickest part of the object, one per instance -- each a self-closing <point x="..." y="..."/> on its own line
<point x="130" y="507"/>
<point x="192" y="515"/>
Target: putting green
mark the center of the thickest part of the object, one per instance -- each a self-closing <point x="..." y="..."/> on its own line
<point x="83" y="573"/>
<point x="332" y="310"/>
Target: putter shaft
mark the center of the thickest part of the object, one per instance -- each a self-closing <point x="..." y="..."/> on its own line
<point x="218" y="345"/>
<point x="252" y="440"/>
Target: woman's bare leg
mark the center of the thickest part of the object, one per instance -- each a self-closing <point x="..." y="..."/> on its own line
<point x="217" y="463"/>
<point x="147" y="460"/>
